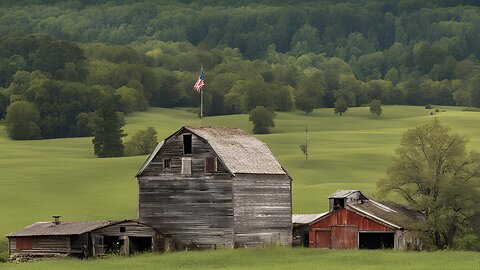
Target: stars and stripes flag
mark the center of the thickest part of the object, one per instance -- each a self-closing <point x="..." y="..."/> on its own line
<point x="200" y="83"/>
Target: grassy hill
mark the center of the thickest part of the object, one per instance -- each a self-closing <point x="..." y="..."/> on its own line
<point x="39" y="179"/>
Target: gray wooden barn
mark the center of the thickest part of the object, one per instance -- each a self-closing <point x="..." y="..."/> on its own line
<point x="216" y="187"/>
<point x="84" y="239"/>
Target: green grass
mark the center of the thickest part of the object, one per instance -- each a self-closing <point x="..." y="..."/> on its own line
<point x="39" y="179"/>
<point x="273" y="258"/>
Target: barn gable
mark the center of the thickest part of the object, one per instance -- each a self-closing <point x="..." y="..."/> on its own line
<point x="236" y="150"/>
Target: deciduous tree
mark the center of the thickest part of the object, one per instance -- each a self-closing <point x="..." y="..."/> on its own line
<point x="262" y="119"/>
<point x="376" y="107"/>
<point x="340" y="106"/>
<point x="22" y="121"/>
<point x="142" y="143"/>
<point x="433" y="173"/>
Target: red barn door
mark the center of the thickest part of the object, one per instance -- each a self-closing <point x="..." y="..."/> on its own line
<point x="344" y="237"/>
<point x="322" y="239"/>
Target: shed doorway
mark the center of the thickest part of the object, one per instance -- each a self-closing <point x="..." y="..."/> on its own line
<point x="376" y="240"/>
<point x="140" y="244"/>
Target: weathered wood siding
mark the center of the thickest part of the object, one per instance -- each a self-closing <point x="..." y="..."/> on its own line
<point x="42" y="246"/>
<point x="131" y="229"/>
<point x="263" y="210"/>
<point x="196" y="209"/>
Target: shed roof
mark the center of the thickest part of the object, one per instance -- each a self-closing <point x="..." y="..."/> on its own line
<point x="343" y="193"/>
<point x="239" y="151"/>
<point x="306" y="218"/>
<point x="65" y="228"/>
<point x="394" y="214"/>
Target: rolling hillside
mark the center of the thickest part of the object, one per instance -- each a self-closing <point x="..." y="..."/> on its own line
<point x="42" y="178"/>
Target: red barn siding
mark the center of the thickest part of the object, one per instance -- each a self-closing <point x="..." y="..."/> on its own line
<point x="347" y="217"/>
<point x="340" y="228"/>
<point x="344" y="237"/>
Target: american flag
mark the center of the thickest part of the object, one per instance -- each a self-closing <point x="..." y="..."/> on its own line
<point x="200" y="83"/>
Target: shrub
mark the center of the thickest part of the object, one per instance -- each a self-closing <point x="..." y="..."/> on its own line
<point x="142" y="143"/>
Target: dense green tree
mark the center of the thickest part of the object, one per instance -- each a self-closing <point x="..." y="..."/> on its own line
<point x="340" y="106"/>
<point x="262" y="119"/>
<point x="107" y="129"/>
<point x="376" y="107"/>
<point x="142" y="143"/>
<point x="433" y="173"/>
<point x="22" y="121"/>
<point x="4" y="101"/>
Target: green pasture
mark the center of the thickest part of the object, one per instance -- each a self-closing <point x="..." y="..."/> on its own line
<point x="273" y="258"/>
<point x="42" y="178"/>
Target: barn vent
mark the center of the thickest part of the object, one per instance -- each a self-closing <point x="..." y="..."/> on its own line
<point x="56" y="220"/>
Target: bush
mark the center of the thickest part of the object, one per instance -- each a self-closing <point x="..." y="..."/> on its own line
<point x="22" y="121"/>
<point x="262" y="119"/>
<point x="142" y="143"/>
<point x="428" y="106"/>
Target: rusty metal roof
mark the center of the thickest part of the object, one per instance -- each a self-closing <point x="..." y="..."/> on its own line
<point x="393" y="214"/>
<point x="63" y="228"/>
<point x="239" y="151"/>
<point x="306" y="218"/>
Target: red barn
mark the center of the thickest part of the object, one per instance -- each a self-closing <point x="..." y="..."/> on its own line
<point x="355" y="221"/>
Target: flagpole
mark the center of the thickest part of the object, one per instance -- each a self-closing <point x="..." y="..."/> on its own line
<point x="201" y="101"/>
<point x="201" y="107"/>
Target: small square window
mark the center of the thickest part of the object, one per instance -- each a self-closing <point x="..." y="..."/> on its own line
<point x="123" y="229"/>
<point x="167" y="164"/>
<point x="210" y="164"/>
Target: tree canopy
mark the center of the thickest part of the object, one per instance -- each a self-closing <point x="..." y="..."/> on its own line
<point x="262" y="119"/>
<point x="433" y="173"/>
<point x="65" y="56"/>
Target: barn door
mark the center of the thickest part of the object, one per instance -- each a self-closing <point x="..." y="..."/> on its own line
<point x="98" y="245"/>
<point x="322" y="239"/>
<point x="344" y="237"/>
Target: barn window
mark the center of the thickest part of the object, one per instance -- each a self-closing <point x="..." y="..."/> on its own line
<point x="186" y="165"/>
<point x="187" y="144"/>
<point x="123" y="229"/>
<point x="210" y="164"/>
<point x="23" y="243"/>
<point x="167" y="164"/>
<point x="338" y="203"/>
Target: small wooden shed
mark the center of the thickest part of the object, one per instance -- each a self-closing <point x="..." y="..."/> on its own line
<point x="301" y="228"/>
<point x="355" y="221"/>
<point x="84" y="239"/>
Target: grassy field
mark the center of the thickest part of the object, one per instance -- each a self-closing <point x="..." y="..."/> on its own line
<point x="39" y="179"/>
<point x="273" y="258"/>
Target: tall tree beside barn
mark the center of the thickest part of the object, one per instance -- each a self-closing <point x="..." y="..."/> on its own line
<point x="435" y="175"/>
<point x="107" y="129"/>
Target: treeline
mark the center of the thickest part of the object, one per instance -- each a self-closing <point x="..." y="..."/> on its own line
<point x="282" y="56"/>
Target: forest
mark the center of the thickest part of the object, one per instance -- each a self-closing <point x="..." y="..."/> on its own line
<point x="59" y="59"/>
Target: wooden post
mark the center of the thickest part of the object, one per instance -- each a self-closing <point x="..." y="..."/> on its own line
<point x="306" y="142"/>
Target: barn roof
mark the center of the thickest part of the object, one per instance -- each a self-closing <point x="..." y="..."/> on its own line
<point x="239" y="151"/>
<point x="306" y="218"/>
<point x="64" y="228"/>
<point x="339" y="194"/>
<point x="393" y="214"/>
